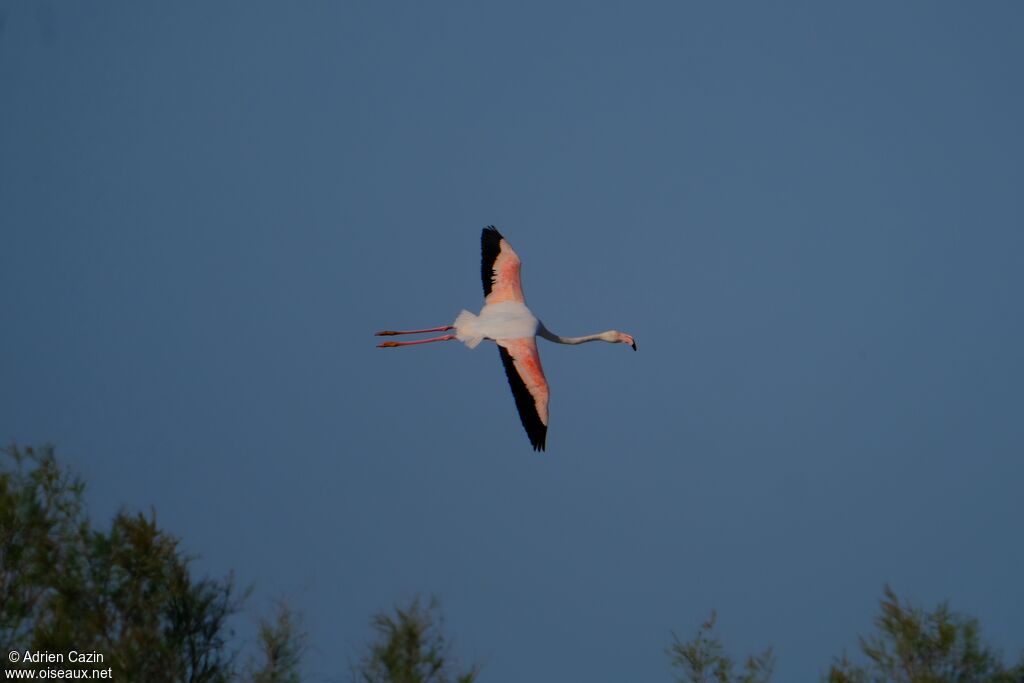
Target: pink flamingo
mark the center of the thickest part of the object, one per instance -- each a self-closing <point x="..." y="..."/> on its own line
<point x="507" y="321"/>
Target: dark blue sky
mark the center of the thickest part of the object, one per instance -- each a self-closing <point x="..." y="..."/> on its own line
<point x="810" y="217"/>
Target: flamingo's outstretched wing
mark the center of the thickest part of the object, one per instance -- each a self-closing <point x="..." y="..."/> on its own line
<point x="499" y="268"/>
<point x="529" y="387"/>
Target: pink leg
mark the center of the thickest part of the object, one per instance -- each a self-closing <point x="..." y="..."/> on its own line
<point x="388" y="333"/>
<point x="387" y="345"/>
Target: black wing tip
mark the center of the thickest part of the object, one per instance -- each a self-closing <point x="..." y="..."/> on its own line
<point x="538" y="437"/>
<point x="490" y="246"/>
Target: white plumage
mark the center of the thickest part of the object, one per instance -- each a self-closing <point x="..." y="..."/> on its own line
<point x="506" y="320"/>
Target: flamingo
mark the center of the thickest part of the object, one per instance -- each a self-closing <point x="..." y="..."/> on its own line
<point x="507" y="322"/>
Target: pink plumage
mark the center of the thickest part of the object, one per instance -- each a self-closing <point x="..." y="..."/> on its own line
<point x="507" y="321"/>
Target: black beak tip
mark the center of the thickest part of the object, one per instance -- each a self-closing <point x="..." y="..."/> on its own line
<point x="634" y="346"/>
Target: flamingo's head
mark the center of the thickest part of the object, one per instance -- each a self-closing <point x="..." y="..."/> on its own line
<point x="623" y="338"/>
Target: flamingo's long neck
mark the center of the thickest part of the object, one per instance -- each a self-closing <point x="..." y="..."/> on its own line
<point x="551" y="336"/>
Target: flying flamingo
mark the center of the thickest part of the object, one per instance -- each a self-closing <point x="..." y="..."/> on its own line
<point x="507" y="321"/>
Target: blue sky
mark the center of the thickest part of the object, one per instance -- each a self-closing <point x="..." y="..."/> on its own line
<point x="810" y="217"/>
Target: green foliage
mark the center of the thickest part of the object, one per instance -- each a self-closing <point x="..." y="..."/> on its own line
<point x="132" y="598"/>
<point x="410" y="648"/>
<point x="127" y="592"/>
<point x="917" y="646"/>
<point x="703" y="659"/>
<point x="41" y="516"/>
<point x="281" y="646"/>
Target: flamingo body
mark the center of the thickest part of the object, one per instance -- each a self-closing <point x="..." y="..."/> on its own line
<point x="507" y="322"/>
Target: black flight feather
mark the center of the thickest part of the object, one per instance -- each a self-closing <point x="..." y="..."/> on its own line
<point x="490" y="245"/>
<point x="535" y="429"/>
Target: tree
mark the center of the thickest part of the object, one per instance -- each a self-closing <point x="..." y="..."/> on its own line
<point x="703" y="659"/>
<point x="127" y="593"/>
<point x="410" y="648"/>
<point x="281" y="646"/>
<point x="917" y="646"/>
<point x="41" y="518"/>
